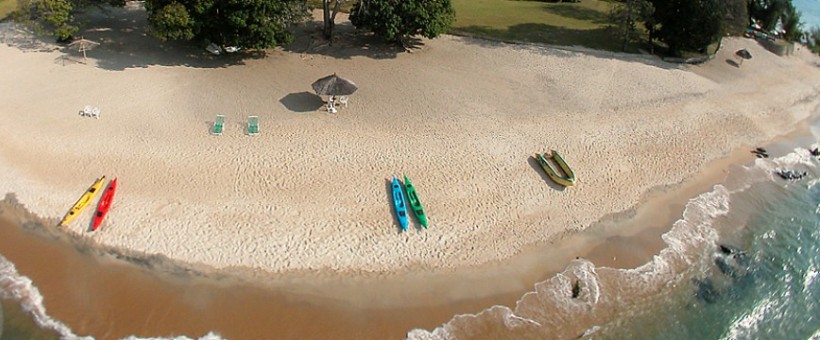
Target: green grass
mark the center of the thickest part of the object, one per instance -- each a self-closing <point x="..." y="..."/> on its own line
<point x="583" y="23"/>
<point x="6" y="7"/>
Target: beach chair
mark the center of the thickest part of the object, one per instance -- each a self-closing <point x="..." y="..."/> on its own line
<point x="253" y="125"/>
<point x="343" y="100"/>
<point x="219" y="124"/>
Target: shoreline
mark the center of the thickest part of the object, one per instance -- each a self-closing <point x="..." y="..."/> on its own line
<point x="625" y="229"/>
<point x="294" y="200"/>
<point x="662" y="206"/>
<point x="232" y="201"/>
<point x="235" y="225"/>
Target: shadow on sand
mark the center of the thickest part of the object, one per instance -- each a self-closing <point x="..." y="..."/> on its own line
<point x="537" y="168"/>
<point x="347" y="42"/>
<point x="125" y="42"/>
<point x="557" y="41"/>
<point x="302" y="102"/>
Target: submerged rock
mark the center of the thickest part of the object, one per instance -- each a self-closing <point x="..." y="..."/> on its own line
<point x="706" y="291"/>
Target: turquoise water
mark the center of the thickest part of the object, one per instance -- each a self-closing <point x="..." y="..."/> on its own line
<point x="761" y="285"/>
<point x="741" y="263"/>
<point x="768" y="291"/>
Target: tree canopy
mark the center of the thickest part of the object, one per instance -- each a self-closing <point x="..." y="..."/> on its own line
<point x="254" y="24"/>
<point x="55" y="17"/>
<point x="770" y="13"/>
<point x="689" y="25"/>
<point x="394" y="20"/>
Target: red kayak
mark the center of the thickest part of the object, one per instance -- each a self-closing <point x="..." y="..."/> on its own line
<point x="105" y="204"/>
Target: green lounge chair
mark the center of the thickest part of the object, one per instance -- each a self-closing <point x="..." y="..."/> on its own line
<point x="219" y="124"/>
<point x="253" y="125"/>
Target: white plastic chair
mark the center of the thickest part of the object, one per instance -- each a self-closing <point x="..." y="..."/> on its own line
<point x="343" y="100"/>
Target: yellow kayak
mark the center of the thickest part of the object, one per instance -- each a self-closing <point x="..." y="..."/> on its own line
<point x="83" y="202"/>
<point x="568" y="177"/>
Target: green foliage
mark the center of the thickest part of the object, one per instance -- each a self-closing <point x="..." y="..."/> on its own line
<point x="736" y="17"/>
<point x="172" y="22"/>
<point x="582" y="24"/>
<point x="254" y="24"/>
<point x="771" y="12"/>
<point x="689" y="25"/>
<point x="813" y="39"/>
<point x="624" y="17"/>
<point x="55" y="17"/>
<point x="49" y="17"/>
<point x="768" y="12"/>
<point x="790" y="23"/>
<point x="396" y="19"/>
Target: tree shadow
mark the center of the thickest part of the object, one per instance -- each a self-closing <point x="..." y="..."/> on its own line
<point x="347" y="42"/>
<point x="559" y="41"/>
<point x="125" y="42"/>
<point x="577" y="13"/>
<point x="733" y="63"/>
<point x="302" y="102"/>
<point x="17" y="36"/>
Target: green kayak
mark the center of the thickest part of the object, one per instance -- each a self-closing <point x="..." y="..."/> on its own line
<point x="414" y="201"/>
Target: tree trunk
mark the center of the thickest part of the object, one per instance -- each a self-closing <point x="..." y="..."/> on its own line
<point x="328" y="24"/>
<point x="330" y="17"/>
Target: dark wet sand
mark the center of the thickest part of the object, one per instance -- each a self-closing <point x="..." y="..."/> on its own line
<point x="110" y="299"/>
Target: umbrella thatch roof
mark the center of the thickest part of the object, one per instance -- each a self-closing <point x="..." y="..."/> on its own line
<point x="83" y="45"/>
<point x="334" y="85"/>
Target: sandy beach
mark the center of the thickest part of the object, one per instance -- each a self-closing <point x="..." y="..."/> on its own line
<point x="461" y="117"/>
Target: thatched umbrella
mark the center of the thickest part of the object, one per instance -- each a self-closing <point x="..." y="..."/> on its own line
<point x="743" y="54"/>
<point x="334" y="85"/>
<point x="83" y="45"/>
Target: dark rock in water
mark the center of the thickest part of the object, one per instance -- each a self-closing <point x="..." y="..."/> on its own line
<point x="732" y="261"/>
<point x="790" y="175"/>
<point x="760" y="153"/>
<point x="706" y="291"/>
<point x="726" y="250"/>
<point x="815" y="152"/>
<point x="576" y="289"/>
<point x="724" y="267"/>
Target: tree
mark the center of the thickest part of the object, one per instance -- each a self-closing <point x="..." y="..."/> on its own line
<point x="624" y="17"/>
<point x="329" y="16"/>
<point x="813" y="39"/>
<point x="647" y="14"/>
<point x="172" y="22"/>
<point x="768" y="12"/>
<point x="790" y="23"/>
<point x="394" y="20"/>
<point x="55" y="17"/>
<point x="736" y="17"/>
<point x="254" y="24"/>
<point x="689" y="25"/>
<point x="50" y="17"/>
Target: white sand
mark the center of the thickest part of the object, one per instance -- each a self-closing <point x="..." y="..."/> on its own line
<point x="459" y="116"/>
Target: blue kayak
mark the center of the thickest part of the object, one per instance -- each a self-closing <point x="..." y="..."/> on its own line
<point x="399" y="203"/>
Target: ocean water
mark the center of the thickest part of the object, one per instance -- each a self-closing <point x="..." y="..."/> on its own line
<point x="740" y="263"/>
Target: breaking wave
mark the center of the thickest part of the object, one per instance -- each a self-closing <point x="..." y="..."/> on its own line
<point x="585" y="300"/>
